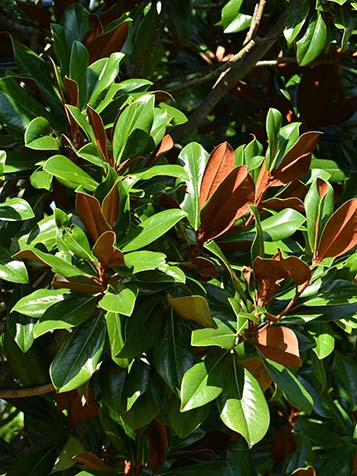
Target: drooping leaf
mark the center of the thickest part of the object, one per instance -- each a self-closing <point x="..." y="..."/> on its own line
<point x="77" y="359"/>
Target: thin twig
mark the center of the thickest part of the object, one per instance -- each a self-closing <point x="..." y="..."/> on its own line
<point x="26" y="392"/>
<point x="254" y="25"/>
<point x="242" y="63"/>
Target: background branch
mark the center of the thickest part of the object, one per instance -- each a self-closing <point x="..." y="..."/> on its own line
<point x="26" y="392"/>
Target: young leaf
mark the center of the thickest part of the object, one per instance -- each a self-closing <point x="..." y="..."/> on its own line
<point x="38" y="135"/>
<point x="121" y="302"/>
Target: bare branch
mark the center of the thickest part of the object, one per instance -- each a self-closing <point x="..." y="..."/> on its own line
<point x="26" y="392"/>
<point x="234" y="71"/>
<point x="257" y="16"/>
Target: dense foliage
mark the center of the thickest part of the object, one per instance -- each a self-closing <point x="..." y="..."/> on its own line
<point x="178" y="231"/>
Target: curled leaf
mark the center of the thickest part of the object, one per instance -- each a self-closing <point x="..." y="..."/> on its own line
<point x="99" y="132"/>
<point x="279" y="344"/>
<point x="91" y="215"/>
<point x="110" y="206"/>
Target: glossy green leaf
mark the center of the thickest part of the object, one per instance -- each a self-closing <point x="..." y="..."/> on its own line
<point x="77" y="359"/>
<point x="273" y="124"/>
<point x="223" y="337"/>
<point x="144" y="260"/>
<point x="293" y="390"/>
<point x="232" y="20"/>
<point x="184" y="423"/>
<point x="36" y="303"/>
<point x="136" y="117"/>
<point x="115" y="337"/>
<point x="105" y="71"/>
<point x="41" y="179"/>
<point x="172" y="354"/>
<point x="77" y="242"/>
<point x="151" y="229"/>
<point x="242" y="404"/>
<point x="22" y="328"/>
<point x="296" y="20"/>
<point x="15" y="209"/>
<point x="68" y="173"/>
<point x="203" y="382"/>
<point x="66" y="458"/>
<point x="323" y="337"/>
<point x="142" y="329"/>
<point x="12" y="270"/>
<point x="38" y="135"/>
<point x="78" y="64"/>
<point x="312" y="44"/>
<point x="277" y="227"/>
<point x="74" y="309"/>
<point x="144" y="409"/>
<point x="162" y="170"/>
<point x="121" y="301"/>
<point x="257" y="248"/>
<point x="194" y="158"/>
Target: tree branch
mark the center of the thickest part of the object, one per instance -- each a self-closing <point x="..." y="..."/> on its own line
<point x="26" y="392"/>
<point x="234" y="70"/>
<point x="254" y="25"/>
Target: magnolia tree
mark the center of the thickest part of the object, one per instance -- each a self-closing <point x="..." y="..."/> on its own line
<point x="178" y="278"/>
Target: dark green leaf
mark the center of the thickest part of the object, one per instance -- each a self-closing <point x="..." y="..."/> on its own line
<point x="296" y="20"/>
<point x="78" y="64"/>
<point x="77" y="359"/>
<point x="344" y="371"/>
<point x="184" y="423"/>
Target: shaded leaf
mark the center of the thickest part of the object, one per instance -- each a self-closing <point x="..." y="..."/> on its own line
<point x="194" y="308"/>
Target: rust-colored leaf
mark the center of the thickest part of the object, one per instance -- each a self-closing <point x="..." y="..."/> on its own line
<point x="322" y="187"/>
<point x="220" y="164"/>
<point x="117" y="259"/>
<point x="110" y="206"/>
<point x="296" y="162"/>
<point x="205" y="267"/>
<point x="283" y="203"/>
<point x="355" y="463"/>
<point x="269" y="273"/>
<point x="91" y="215"/>
<point x="340" y="232"/>
<point x="90" y="461"/>
<point x="295" y="189"/>
<point x="81" y="284"/>
<point x="165" y="145"/>
<point x="72" y="91"/>
<point x="108" y="43"/>
<point x="29" y="254"/>
<point x="279" y="344"/>
<point x="99" y="131"/>
<point x="104" y="247"/>
<point x="156" y="437"/>
<point x="257" y="369"/>
<point x="262" y="183"/>
<point x="283" y="445"/>
<point x="228" y="203"/>
<point x="299" y="271"/>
